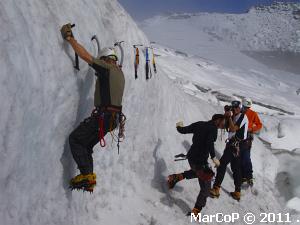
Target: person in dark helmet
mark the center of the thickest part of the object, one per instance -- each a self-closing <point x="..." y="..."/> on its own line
<point x="238" y="127"/>
<point x="108" y="97"/>
<point x="204" y="136"/>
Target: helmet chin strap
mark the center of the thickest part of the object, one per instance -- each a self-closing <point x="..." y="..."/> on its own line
<point x="110" y="61"/>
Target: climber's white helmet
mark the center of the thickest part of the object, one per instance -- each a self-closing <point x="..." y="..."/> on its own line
<point x="247" y="102"/>
<point x="108" y="52"/>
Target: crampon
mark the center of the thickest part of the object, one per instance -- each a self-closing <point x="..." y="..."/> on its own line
<point x="84" y="183"/>
<point x="84" y="186"/>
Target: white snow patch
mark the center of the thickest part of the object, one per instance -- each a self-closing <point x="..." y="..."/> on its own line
<point x="294" y="203"/>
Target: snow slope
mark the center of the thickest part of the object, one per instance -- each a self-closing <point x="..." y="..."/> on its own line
<point x="198" y="54"/>
<point x="43" y="98"/>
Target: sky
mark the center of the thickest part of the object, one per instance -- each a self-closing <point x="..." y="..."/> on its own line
<point x="141" y="9"/>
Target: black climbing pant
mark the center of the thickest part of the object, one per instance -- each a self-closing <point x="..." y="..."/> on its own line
<point x="204" y="185"/>
<point x="235" y="161"/>
<point x="246" y="163"/>
<point x="83" y="139"/>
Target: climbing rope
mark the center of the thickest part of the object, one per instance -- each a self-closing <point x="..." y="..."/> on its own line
<point x="101" y="131"/>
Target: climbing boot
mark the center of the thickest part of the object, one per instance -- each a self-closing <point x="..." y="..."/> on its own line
<point x="195" y="211"/>
<point x="236" y="195"/>
<point x="173" y="179"/>
<point x="250" y="182"/>
<point x="245" y="180"/>
<point x="215" y="192"/>
<point x="84" y="182"/>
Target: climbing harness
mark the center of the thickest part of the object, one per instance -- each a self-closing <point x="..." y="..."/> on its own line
<point x="117" y="119"/>
<point x="234" y="143"/>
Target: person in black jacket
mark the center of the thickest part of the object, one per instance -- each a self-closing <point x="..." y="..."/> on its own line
<point x="205" y="134"/>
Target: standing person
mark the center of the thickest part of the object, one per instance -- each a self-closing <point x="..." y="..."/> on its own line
<point x="108" y="108"/>
<point x="238" y="127"/>
<point x="254" y="126"/>
<point x="205" y="135"/>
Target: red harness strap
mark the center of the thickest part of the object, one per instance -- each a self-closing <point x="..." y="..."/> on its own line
<point x="101" y="131"/>
<point x="99" y="112"/>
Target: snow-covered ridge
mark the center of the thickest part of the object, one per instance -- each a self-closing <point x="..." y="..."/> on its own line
<point x="267" y="28"/>
<point x="278" y="7"/>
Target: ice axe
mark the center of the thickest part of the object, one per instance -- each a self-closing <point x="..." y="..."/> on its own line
<point x="119" y="44"/>
<point x="180" y="157"/>
<point x="76" y="66"/>
<point x="98" y="44"/>
<point x="153" y="57"/>
<point x="137" y="59"/>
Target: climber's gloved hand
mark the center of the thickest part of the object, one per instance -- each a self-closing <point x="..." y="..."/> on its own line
<point x="179" y="124"/>
<point x="216" y="162"/>
<point x="66" y="31"/>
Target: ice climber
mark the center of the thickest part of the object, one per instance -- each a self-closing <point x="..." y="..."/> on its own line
<point x="204" y="137"/>
<point x="237" y="123"/>
<point x="106" y="115"/>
